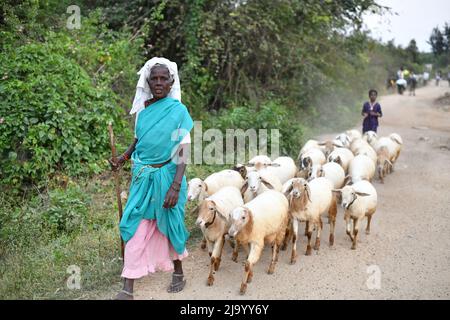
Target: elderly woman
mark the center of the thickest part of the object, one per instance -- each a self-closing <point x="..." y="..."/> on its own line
<point x="153" y="220"/>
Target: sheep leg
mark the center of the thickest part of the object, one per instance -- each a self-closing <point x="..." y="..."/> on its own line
<point x="234" y="256"/>
<point x="294" y="240"/>
<point x="318" y="233"/>
<point x="215" y="260"/>
<point x="349" y="229"/>
<point x="306" y="228"/>
<point x="287" y="235"/>
<point x="210" y="247"/>
<point x="217" y="252"/>
<point x="309" y="235"/>
<point x="203" y="244"/>
<point x="275" y="249"/>
<point x="255" y="253"/>
<point x="369" y="219"/>
<point x="355" y="232"/>
<point x="332" y="213"/>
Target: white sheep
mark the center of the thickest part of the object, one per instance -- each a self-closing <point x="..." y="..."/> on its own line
<point x="214" y="220"/>
<point x="341" y="156"/>
<point x="361" y="168"/>
<point x="310" y="158"/>
<point x="198" y="189"/>
<point x="343" y="139"/>
<point x="310" y="144"/>
<point x="325" y="146"/>
<point x="283" y="168"/>
<point x="384" y="165"/>
<point x="399" y="142"/>
<point x="308" y="201"/>
<point x="353" y="134"/>
<point x="259" y="162"/>
<point x="332" y="171"/>
<point x="369" y="136"/>
<point x="258" y="182"/>
<point x="256" y="163"/>
<point x="393" y="143"/>
<point x="262" y="220"/>
<point x="368" y="151"/>
<point x="358" y="200"/>
<point x="358" y="143"/>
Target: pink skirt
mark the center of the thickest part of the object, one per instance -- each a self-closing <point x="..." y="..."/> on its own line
<point x="148" y="251"/>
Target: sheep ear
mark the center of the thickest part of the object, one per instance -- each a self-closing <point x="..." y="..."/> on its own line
<point x="195" y="210"/>
<point x="308" y="192"/>
<point x="347" y="180"/>
<point x="362" y="194"/>
<point x="244" y="187"/>
<point x="267" y="184"/>
<point x="242" y="171"/>
<point x="396" y="140"/>
<point x="275" y="165"/>
<point x="389" y="163"/>
<point x="288" y="190"/>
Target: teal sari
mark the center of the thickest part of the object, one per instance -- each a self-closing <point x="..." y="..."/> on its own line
<point x="159" y="129"/>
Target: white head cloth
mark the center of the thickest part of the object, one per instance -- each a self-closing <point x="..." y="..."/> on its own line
<point x="143" y="92"/>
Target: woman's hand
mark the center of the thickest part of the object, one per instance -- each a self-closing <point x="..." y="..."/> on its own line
<point x="116" y="163"/>
<point x="171" y="196"/>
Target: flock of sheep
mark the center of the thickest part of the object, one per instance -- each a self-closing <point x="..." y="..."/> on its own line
<point x="263" y="201"/>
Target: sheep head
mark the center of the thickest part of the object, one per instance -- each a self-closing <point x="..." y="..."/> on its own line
<point x="349" y="195"/>
<point x="241" y="169"/>
<point x="254" y="181"/>
<point x="195" y="187"/>
<point x="207" y="213"/>
<point x="241" y="220"/>
<point x="328" y="146"/>
<point x="337" y="159"/>
<point x="298" y="193"/>
<point x="370" y="136"/>
<point x="305" y="163"/>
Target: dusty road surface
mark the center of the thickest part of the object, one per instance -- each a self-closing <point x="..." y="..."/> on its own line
<point x="409" y="244"/>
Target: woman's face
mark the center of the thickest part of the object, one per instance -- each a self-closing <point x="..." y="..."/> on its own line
<point x="159" y="82"/>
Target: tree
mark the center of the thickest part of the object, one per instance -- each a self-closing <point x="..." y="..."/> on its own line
<point x="413" y="51"/>
<point x="447" y="37"/>
<point x="437" y="42"/>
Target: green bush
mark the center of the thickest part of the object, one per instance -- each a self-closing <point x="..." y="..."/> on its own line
<point x="270" y="115"/>
<point x="57" y="97"/>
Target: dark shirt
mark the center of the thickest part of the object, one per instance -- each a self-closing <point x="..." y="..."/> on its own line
<point x="370" y="123"/>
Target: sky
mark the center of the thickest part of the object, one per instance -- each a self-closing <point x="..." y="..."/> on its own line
<point x="415" y="19"/>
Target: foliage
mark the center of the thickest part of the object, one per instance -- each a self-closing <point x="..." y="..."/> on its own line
<point x="55" y="104"/>
<point x="440" y="45"/>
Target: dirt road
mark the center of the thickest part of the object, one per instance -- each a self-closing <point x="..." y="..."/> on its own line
<point x="409" y="244"/>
